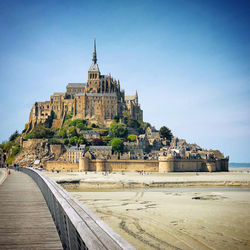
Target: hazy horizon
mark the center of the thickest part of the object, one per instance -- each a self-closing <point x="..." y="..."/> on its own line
<point x="188" y="60"/>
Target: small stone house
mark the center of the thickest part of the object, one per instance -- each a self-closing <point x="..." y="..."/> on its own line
<point x="74" y="153"/>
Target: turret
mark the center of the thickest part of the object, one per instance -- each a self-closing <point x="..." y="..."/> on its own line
<point x="136" y="98"/>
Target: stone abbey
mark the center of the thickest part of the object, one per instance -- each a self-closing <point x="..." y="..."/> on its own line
<point x="99" y="101"/>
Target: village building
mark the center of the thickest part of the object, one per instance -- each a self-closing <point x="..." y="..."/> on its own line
<point x="74" y="153"/>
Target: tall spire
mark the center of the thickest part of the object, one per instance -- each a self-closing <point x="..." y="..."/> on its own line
<point x="94" y="66"/>
<point x="94" y="59"/>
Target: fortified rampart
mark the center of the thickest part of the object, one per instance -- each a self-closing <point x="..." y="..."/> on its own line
<point x="164" y="164"/>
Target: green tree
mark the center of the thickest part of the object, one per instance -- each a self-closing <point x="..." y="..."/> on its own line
<point x="81" y="140"/>
<point x="166" y="133"/>
<point x="106" y="140"/>
<point x="132" y="138"/>
<point x="117" y="145"/>
<point x="40" y="131"/>
<point x="118" y="130"/>
<point x="15" y="150"/>
<point x="72" y="132"/>
<point x="79" y="123"/>
<point x="69" y="116"/>
<point x="14" y="136"/>
<point x="62" y="133"/>
<point x="132" y="123"/>
<point x="117" y="118"/>
<point x="66" y="141"/>
<point x="73" y="140"/>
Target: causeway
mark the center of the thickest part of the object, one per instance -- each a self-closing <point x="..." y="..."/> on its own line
<point x="25" y="220"/>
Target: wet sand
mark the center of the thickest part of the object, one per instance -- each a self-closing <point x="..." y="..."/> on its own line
<point x="175" y="220"/>
<point x="170" y="218"/>
<point x="133" y="180"/>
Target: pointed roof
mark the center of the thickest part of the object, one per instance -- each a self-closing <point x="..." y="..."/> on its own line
<point x="94" y="66"/>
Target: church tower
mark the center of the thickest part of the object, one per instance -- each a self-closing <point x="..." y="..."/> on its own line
<point x="93" y="73"/>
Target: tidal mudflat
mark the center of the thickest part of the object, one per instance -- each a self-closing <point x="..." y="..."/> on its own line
<point x="171" y="218"/>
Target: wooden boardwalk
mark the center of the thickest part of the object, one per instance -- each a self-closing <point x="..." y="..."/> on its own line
<point x="25" y="220"/>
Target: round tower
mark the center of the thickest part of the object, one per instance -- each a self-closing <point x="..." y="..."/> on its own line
<point x="166" y="164"/>
<point x="83" y="164"/>
<point x="100" y="165"/>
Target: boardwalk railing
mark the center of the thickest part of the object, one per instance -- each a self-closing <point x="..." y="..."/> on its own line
<point x="77" y="226"/>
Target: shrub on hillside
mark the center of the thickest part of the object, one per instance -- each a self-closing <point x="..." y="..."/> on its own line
<point x="132" y="138"/>
<point x="66" y="141"/>
<point x="14" y="136"/>
<point x="117" y="145"/>
<point x="40" y="131"/>
<point x="118" y="130"/>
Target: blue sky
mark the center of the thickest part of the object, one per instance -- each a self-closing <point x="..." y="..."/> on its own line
<point x="188" y="60"/>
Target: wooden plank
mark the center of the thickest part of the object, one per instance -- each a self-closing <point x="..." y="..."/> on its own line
<point x="25" y="220"/>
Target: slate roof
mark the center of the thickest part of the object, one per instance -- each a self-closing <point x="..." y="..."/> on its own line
<point x="76" y="85"/>
<point x="76" y="148"/>
<point x="94" y="148"/>
<point x="90" y="132"/>
<point x="100" y="94"/>
<point x="153" y="134"/>
<point x="96" y="94"/>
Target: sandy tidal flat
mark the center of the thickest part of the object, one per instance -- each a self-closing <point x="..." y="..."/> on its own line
<point x="167" y="219"/>
<point x="132" y="179"/>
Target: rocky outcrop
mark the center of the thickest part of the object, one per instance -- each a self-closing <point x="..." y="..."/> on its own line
<point x="35" y="150"/>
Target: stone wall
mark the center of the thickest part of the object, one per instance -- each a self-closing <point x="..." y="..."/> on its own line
<point x="56" y="149"/>
<point x="61" y="165"/>
<point x="192" y="165"/>
<point x="56" y="123"/>
<point x="32" y="142"/>
<point x="163" y="165"/>
<point x="126" y="165"/>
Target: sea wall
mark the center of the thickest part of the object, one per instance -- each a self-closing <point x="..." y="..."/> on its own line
<point x="162" y="165"/>
<point x="61" y="165"/>
<point x="125" y="165"/>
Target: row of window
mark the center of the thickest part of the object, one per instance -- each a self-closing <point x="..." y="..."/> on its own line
<point x="93" y="76"/>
